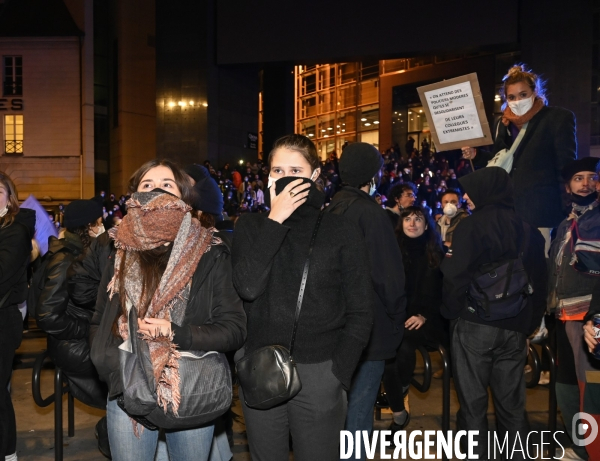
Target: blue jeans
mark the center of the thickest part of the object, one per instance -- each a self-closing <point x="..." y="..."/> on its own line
<point x="181" y="445"/>
<point x="361" y="397"/>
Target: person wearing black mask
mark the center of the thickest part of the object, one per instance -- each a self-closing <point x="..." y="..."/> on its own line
<point x="336" y="314"/>
<point x="567" y="286"/>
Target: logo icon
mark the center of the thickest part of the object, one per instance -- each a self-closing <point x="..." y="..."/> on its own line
<point x="582" y="422"/>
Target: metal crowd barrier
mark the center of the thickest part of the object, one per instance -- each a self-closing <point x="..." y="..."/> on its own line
<point x="60" y="387"/>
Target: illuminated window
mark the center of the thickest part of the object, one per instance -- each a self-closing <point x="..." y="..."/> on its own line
<point x="12" y="83"/>
<point x="13" y="134"/>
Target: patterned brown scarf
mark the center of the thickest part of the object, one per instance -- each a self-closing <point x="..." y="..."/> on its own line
<point x="153" y="219"/>
<point x="520" y="120"/>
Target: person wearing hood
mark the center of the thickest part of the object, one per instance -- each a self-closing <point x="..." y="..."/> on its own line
<point x="491" y="353"/>
<point x="16" y="232"/>
<point x="269" y="253"/>
<point x="538" y="142"/>
<point x="571" y="293"/>
<point x="360" y="169"/>
<point x="452" y="215"/>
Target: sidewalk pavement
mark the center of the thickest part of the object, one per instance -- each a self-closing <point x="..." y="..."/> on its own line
<point x="35" y="425"/>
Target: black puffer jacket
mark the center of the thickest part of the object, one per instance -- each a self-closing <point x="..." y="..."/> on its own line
<point x="387" y="271"/>
<point x="214" y="318"/>
<point x="15" y="251"/>
<point x="64" y="310"/>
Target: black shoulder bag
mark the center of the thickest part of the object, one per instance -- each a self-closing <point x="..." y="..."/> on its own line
<point x="268" y="375"/>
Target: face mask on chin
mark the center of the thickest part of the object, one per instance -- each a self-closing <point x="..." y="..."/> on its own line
<point x="4" y="211"/>
<point x="101" y="231"/>
<point x="583" y="200"/>
<point x="521" y="107"/>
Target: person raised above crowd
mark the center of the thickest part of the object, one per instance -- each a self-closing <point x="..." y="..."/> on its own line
<point x="533" y="142"/>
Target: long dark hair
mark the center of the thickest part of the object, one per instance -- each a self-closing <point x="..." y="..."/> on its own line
<point x="433" y="245"/>
<point x="152" y="262"/>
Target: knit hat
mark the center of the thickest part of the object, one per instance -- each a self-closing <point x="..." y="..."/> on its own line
<point x="207" y="195"/>
<point x="579" y="165"/>
<point x="81" y="213"/>
<point x="359" y="163"/>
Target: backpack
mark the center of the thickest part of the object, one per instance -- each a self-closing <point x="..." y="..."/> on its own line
<point x="38" y="280"/>
<point x="499" y="290"/>
<point x="586" y="251"/>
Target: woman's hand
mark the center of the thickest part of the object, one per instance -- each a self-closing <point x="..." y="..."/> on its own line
<point x="469" y="152"/>
<point x="155" y="327"/>
<point x="290" y="198"/>
<point x="590" y="336"/>
<point x="415" y="322"/>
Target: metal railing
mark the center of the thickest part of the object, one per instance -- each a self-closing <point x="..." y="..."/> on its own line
<point x="13" y="147"/>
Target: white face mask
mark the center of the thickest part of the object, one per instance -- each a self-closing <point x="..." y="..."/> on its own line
<point x="521" y="107"/>
<point x="3" y="212"/>
<point x="270" y="182"/>
<point x="450" y="210"/>
<point x="101" y="231"/>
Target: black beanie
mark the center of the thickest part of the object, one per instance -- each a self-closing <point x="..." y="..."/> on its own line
<point x="359" y="163"/>
<point x="579" y="165"/>
<point x="81" y="213"/>
<point x="207" y="195"/>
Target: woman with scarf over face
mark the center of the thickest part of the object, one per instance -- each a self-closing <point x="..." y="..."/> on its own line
<point x="269" y="252"/>
<point x="16" y="232"/>
<point x="547" y="144"/>
<point x="422" y="254"/>
<point x="177" y="276"/>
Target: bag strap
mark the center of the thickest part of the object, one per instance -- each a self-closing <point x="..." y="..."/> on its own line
<point x="4" y="299"/>
<point x="303" y="284"/>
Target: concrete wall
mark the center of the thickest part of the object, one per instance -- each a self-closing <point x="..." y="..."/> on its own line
<point x="51" y="114"/>
<point x="133" y="138"/>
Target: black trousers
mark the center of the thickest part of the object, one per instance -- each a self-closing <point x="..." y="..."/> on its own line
<point x="484" y="356"/>
<point x="399" y="371"/>
<point x="11" y="333"/>
<point x="314" y="417"/>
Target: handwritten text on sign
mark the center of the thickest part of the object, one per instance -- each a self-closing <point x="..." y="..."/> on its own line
<point x="454" y="113"/>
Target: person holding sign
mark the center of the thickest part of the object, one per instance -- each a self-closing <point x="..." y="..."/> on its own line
<point x="533" y="142"/>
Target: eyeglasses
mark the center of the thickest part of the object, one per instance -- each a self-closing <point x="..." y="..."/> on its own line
<point x="409" y="195"/>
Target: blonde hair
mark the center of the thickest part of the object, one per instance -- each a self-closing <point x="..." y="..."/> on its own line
<point x="520" y="73"/>
<point x="13" y="200"/>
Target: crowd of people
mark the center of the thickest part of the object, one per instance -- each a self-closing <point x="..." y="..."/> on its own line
<point x="352" y="264"/>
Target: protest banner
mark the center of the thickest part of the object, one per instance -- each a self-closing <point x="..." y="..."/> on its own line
<point x="454" y="109"/>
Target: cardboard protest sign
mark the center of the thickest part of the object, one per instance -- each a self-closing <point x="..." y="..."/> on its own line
<point x="454" y="109"/>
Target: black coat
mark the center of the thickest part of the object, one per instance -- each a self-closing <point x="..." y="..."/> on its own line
<point x="214" y="318"/>
<point x="387" y="271"/>
<point x="548" y="145"/>
<point x="337" y="310"/>
<point x="64" y="311"/>
<point x="15" y="252"/>
<point x="492" y="233"/>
